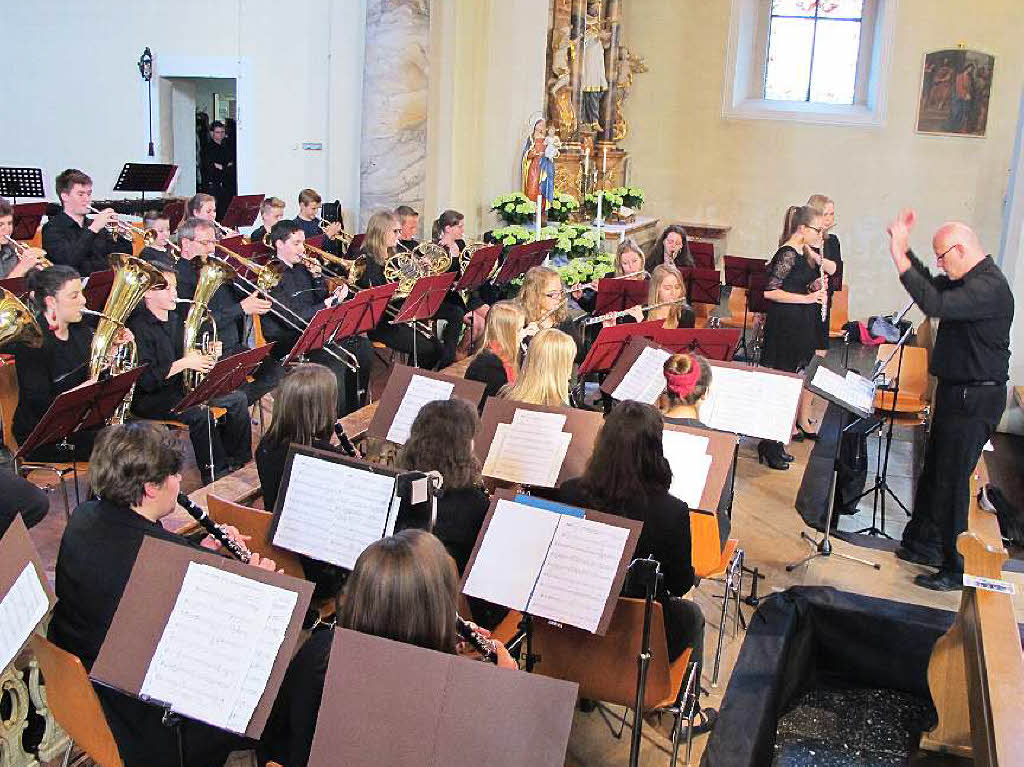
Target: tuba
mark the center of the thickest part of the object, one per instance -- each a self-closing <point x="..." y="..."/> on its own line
<point x="17" y="325"/>
<point x="214" y="273"/>
<point x="132" y="278"/>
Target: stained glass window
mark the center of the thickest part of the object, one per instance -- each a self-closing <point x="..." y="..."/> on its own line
<point x="813" y="47"/>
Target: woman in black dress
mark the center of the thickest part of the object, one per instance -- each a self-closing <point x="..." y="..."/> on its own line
<point x="794" y="328"/>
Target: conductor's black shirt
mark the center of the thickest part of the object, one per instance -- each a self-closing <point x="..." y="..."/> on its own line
<point x="72" y="244"/>
<point x="974" y="313"/>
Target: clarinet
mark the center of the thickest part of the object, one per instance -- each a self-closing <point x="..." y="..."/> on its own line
<point x="235" y="548"/>
<point x="480" y="643"/>
<point x="345" y="443"/>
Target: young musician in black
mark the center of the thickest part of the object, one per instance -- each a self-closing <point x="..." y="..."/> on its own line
<point x="830" y="247"/>
<point x="136" y="470"/>
<point x="158" y="330"/>
<point x="382" y="231"/>
<point x="12" y="262"/>
<point x="309" y="220"/>
<point x="403" y="588"/>
<point x="160" y="247"/>
<point x="271" y="211"/>
<point x="303" y="293"/>
<point x="497" y="362"/>
<point x="218" y="159"/>
<point x="409" y="220"/>
<point x="447" y="232"/>
<point x="74" y="239"/>
<point x="671" y="248"/>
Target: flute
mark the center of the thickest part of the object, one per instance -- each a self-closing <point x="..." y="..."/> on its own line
<point x="237" y="549"/>
<point x="480" y="643"/>
<point x="624" y="312"/>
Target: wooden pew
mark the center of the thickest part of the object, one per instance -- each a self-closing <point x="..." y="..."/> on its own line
<point x="914" y="383"/>
<point x="976" y="671"/>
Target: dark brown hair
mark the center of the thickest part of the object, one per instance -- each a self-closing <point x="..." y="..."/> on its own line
<point x="628" y="464"/>
<point x="6" y="209"/>
<point x="197" y="201"/>
<point x="306" y="196"/>
<point x="68" y="178"/>
<point x="403" y="588"/>
<point x="150" y="216"/>
<point x="43" y="283"/>
<point x="683" y="364"/>
<point x="282" y="230"/>
<point x="305" y="406"/>
<point x="797" y="216"/>
<point x="658" y="253"/>
<point x="128" y="456"/>
<point x="441" y="439"/>
<point x="446" y="219"/>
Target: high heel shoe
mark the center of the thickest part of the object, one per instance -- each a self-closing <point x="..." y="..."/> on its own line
<point x="802" y="434"/>
<point x="768" y="452"/>
<point x="786" y="456"/>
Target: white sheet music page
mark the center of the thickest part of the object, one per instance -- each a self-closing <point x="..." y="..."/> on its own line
<point x="752" y="403"/>
<point x="20" y="612"/>
<point x="421" y="390"/>
<point x="530" y="450"/>
<point x="332" y="511"/>
<point x="687" y="455"/>
<point x="215" y="655"/>
<point x="578" y="572"/>
<point x="518" y="535"/>
<point x="645" y="381"/>
<point x="855" y="390"/>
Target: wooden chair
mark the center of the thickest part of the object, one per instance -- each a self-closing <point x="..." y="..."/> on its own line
<point x="914" y="384"/>
<point x="840" y="312"/>
<point x="254" y="523"/>
<point x="605" y="666"/>
<point x="713" y="561"/>
<point x="72" y="699"/>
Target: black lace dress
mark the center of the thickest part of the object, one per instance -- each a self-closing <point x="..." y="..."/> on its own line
<point x="792" y="332"/>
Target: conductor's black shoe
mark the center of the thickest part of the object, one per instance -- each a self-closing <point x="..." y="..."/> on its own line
<point x="802" y="434"/>
<point x="943" y="580"/>
<point x="910" y="555"/>
<point x="786" y="456"/>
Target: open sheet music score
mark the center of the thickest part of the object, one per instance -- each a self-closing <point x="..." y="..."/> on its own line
<point x="215" y="655"/>
<point x="855" y="391"/>
<point x="21" y="609"/>
<point x="551" y="565"/>
<point x="688" y="456"/>
<point x="530" y="450"/>
<point x="751" y="402"/>
<point x="421" y="391"/>
<point x="645" y="380"/>
<point x="330" y="510"/>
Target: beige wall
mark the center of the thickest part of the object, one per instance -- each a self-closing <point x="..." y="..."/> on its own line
<point x="696" y="165"/>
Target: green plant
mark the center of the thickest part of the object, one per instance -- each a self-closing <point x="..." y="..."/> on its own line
<point x="632" y="196"/>
<point x="561" y="206"/>
<point x="611" y="203"/>
<point x="512" y="235"/>
<point x="514" y="208"/>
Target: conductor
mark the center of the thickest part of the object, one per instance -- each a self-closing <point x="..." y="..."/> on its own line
<point x="971" y="357"/>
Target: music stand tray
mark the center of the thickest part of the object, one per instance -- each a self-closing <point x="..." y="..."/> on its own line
<point x="145" y="177"/>
<point x="227" y="375"/>
<point x="21" y="182"/>
<point x="425" y="298"/>
<point x="27" y="218"/>
<point x="479" y="268"/>
<point x="611" y="341"/>
<point x="615" y="294"/>
<point x="242" y="210"/>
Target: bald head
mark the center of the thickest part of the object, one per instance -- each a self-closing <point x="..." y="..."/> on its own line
<point x="957" y="249"/>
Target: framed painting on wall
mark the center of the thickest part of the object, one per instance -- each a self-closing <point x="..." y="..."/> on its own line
<point x="955" y="89"/>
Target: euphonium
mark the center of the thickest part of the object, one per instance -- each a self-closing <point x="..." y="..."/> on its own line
<point x="17" y="322"/>
<point x="214" y="273"/>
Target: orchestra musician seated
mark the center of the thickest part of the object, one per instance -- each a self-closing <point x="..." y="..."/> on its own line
<point x="671" y="249"/>
<point x="404" y="588"/>
<point x="382" y="231"/>
<point x="159" y="335"/>
<point x="74" y="239"/>
<point x="160" y="225"/>
<point x="496" y="364"/>
<point x="546" y="372"/>
<point x="447" y="232"/>
<point x="135" y="470"/>
<point x="312" y="226"/>
<point x="667" y="290"/>
<point x="545" y="305"/>
<point x="409" y="220"/>
<point x="15" y="262"/>
<point x="629" y="265"/>
<point x="271" y="211"/>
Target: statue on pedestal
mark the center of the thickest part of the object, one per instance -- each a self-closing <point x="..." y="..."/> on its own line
<point x="538" y="161"/>
<point x="595" y="82"/>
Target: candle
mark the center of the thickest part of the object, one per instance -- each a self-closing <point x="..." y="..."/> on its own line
<point x="600" y="199"/>
<point x="537" y="220"/>
<point x="586" y="163"/>
<point x="604" y="161"/>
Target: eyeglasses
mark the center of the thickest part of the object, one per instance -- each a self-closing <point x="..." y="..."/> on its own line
<point x="205" y="242"/>
<point x="943" y="255"/>
<point x="818" y="229"/>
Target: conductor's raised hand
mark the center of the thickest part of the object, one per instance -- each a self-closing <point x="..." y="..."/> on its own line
<point x="899" y="237"/>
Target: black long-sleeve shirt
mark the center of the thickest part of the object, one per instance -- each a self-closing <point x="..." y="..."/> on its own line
<point x="72" y="244"/>
<point x="304" y="295"/>
<point x="312" y="229"/>
<point x="160" y="343"/>
<point x="975" y="313"/>
<point x="225" y="305"/>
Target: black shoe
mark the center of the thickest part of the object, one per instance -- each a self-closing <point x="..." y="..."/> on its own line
<point x="802" y="434"/>
<point x="909" y="555"/>
<point x="786" y="456"/>
<point x="768" y="452"/>
<point x="705" y="720"/>
<point x="586" y="705"/>
<point x="943" y="580"/>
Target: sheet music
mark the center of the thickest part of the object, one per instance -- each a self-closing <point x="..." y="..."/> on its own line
<point x="332" y="511"/>
<point x="577" y="576"/>
<point x="538" y="419"/>
<point x="687" y="454"/>
<point x="645" y="381"/>
<point x="526" y="455"/>
<point x="215" y="655"/>
<point x="514" y="527"/>
<point x="20" y="613"/>
<point x="855" y="390"/>
<point x="421" y="391"/>
<point x="752" y="403"/>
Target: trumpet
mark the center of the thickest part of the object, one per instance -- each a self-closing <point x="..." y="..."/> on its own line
<point x="21" y="249"/>
<point x="341" y="236"/>
<point x="125" y="229"/>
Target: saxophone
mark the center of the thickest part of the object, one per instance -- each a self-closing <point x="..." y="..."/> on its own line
<point x="214" y="273"/>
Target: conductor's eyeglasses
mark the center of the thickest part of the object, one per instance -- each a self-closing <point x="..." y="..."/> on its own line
<point x="943" y="255"/>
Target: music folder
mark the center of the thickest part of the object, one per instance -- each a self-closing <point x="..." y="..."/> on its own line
<point x="390" y="703"/>
<point x="25" y="593"/>
<point x="703" y="286"/>
<point x="425" y="298"/>
<point x="206" y="636"/>
<point x="407" y="390"/>
<point x="568" y="566"/>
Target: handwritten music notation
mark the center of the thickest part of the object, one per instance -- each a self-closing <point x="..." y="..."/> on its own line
<point x="21" y="609"/>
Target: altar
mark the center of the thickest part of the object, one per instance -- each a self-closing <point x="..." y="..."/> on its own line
<point x="643" y="229"/>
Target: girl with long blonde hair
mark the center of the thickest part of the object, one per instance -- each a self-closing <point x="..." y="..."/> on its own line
<point x="497" y="362"/>
<point x="547" y="368"/>
<point x="667" y="285"/>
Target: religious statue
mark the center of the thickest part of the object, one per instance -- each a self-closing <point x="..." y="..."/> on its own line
<point x="538" y="162"/>
<point x="595" y="82"/>
<point x="560" y="85"/>
<point x="628" y="66"/>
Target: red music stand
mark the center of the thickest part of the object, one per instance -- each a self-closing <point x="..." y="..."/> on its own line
<point x="15" y="285"/>
<point x="365" y="311"/>
<point x="522" y="258"/>
<point x="97" y="289"/>
<point x="703" y="254"/>
<point x="423" y="302"/>
<point x="703" y="286"/>
<point x="479" y="268"/>
<point x="611" y="341"/>
<point x="175" y="213"/>
<point x="615" y="294"/>
<point x="317" y="334"/>
<point x="738" y="270"/>
<point x="712" y="343"/>
<point x="242" y="211"/>
<point x="27" y="217"/>
<point x="355" y="245"/>
<point x="755" y="296"/>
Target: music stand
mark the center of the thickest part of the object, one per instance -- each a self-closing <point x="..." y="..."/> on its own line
<point x="738" y="271"/>
<point x="15" y="285"/>
<point x="355" y="245"/>
<point x="227" y="375"/>
<point x="522" y="258"/>
<point x="27" y="217"/>
<point x="423" y="302"/>
<point x="365" y="311"/>
<point x="175" y="213"/>
<point x="611" y="341"/>
<point x="21" y="182"/>
<point x="242" y="211"/>
<point x="712" y="343"/>
<point x="317" y="334"/>
<point x="145" y="177"/>
<point x="703" y="254"/>
<point x="703" y="286"/>
<point x="97" y="289"/>
<point x="476" y="273"/>
<point x="615" y="294"/>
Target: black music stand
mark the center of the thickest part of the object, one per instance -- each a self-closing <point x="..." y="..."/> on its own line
<point x="27" y="217"/>
<point x="145" y="177"/>
<point x="97" y="289"/>
<point x="712" y="343"/>
<point x="242" y="211"/>
<point x="615" y="294"/>
<point x="737" y="274"/>
<point x="21" y="182"/>
<point x="226" y="376"/>
<point x="423" y="302"/>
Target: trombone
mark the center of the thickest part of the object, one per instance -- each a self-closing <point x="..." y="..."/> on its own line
<point x="342" y="236"/>
<point x="21" y="249"/>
